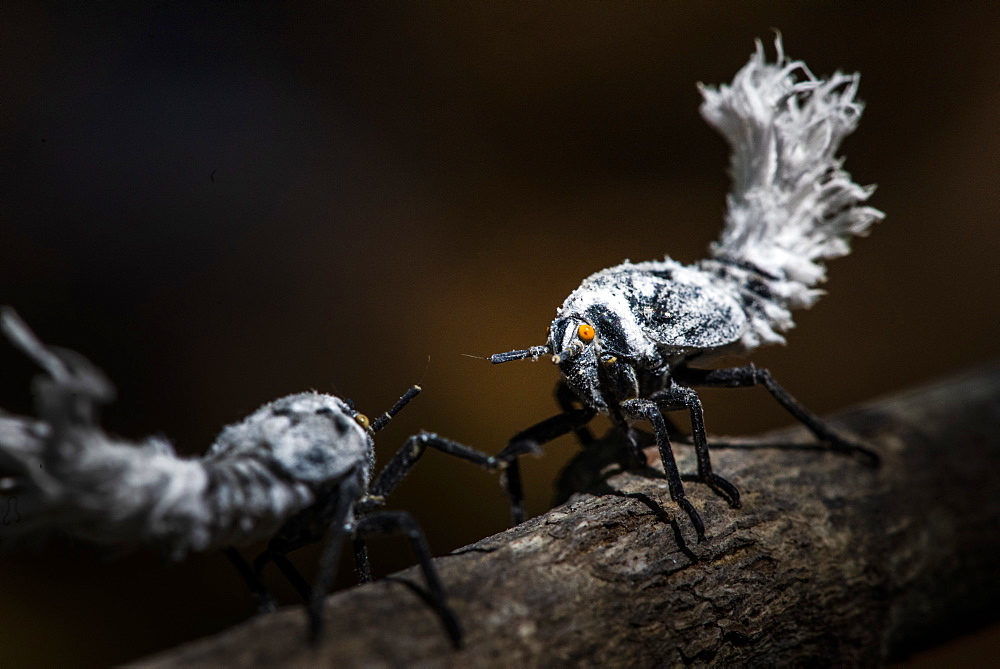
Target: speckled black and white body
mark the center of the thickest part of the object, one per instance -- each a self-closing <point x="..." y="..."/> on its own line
<point x="648" y="317"/>
<point x="633" y="340"/>
<point x="297" y="470"/>
<point x="260" y="473"/>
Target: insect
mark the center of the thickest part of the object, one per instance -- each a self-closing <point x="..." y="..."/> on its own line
<point x="630" y="342"/>
<point x="296" y="470"/>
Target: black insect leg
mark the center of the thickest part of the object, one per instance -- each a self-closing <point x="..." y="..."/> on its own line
<point x="362" y="568"/>
<point x="392" y="522"/>
<point x="261" y="596"/>
<point x="348" y="493"/>
<point x="679" y="397"/>
<point x="647" y="410"/>
<point x="568" y="402"/>
<point x="289" y="571"/>
<point x="529" y="441"/>
<point x="749" y="375"/>
<point x="406" y="457"/>
<point x="675" y="432"/>
<point x="286" y="567"/>
<point x="515" y="491"/>
<point x="632" y="438"/>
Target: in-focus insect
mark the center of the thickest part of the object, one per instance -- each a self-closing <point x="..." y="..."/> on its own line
<point x="296" y="470"/>
<point x="628" y="339"/>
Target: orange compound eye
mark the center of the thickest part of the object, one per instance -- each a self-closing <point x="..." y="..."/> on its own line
<point x="585" y="332"/>
<point x="362" y="420"/>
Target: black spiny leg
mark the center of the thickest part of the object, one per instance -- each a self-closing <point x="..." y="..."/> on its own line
<point x="568" y="402"/>
<point x="362" y="568"/>
<point x="742" y="377"/>
<point x="647" y="410"/>
<point x="392" y="522"/>
<point x="529" y="441"/>
<point x="261" y="596"/>
<point x="636" y="452"/>
<point x="406" y="457"/>
<point x="679" y="397"/>
<point x="515" y="491"/>
<point x="289" y="571"/>
<point x="347" y="494"/>
<point x="286" y="567"/>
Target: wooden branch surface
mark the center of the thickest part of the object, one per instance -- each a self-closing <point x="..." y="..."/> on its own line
<point x="827" y="562"/>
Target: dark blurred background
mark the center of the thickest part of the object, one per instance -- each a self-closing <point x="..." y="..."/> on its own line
<point x="222" y="203"/>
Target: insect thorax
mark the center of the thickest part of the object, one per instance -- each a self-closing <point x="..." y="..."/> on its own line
<point x="311" y="437"/>
<point x="656" y="312"/>
<point x="646" y="318"/>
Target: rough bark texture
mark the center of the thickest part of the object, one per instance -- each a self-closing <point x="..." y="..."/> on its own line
<point x="828" y="562"/>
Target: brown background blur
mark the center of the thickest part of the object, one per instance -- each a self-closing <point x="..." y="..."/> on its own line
<point x="222" y="204"/>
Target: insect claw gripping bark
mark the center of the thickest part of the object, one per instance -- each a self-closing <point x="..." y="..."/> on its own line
<point x="628" y="340"/>
<point x="297" y="470"/>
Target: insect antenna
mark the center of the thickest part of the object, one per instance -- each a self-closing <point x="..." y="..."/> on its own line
<point x="384" y="419"/>
<point x="534" y="352"/>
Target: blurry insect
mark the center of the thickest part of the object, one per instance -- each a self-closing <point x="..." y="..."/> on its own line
<point x="296" y="470"/>
<point x="626" y="341"/>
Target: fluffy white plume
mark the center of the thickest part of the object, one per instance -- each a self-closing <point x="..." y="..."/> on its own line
<point x="61" y="473"/>
<point x="791" y="203"/>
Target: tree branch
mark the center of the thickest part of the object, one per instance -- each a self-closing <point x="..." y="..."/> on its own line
<point x="827" y="562"/>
